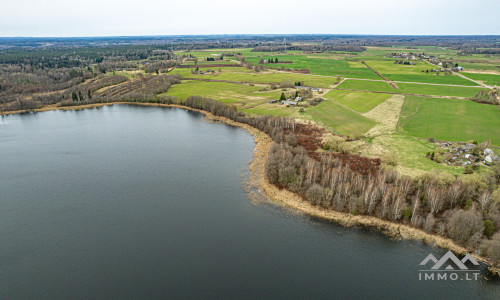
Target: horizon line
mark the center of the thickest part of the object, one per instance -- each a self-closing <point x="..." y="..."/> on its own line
<point x="247" y="34"/>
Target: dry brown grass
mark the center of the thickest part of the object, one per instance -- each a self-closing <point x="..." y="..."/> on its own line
<point x="386" y="114"/>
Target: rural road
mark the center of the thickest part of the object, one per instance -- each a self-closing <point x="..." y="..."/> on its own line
<point x="394" y="81"/>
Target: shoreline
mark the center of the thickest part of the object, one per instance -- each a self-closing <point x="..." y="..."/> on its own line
<point x="286" y="198"/>
<point x="390" y="229"/>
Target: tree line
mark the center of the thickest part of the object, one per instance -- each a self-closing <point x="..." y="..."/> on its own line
<point x="465" y="211"/>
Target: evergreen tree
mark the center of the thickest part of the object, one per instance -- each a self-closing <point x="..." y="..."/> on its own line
<point x="74" y="97"/>
<point x="282" y="97"/>
<point x="80" y="95"/>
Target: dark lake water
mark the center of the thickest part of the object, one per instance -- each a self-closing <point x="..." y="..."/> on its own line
<point x="144" y="202"/>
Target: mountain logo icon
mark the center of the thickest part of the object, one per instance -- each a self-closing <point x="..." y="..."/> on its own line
<point x="447" y="259"/>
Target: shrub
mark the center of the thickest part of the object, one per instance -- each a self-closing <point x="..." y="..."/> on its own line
<point x="489" y="228"/>
<point x="315" y="101"/>
<point x="390" y="159"/>
<point x="407" y="213"/>
<point x="291" y="139"/>
<point x="468" y="204"/>
<point x="355" y="135"/>
<point x="438" y="158"/>
<point x="315" y="194"/>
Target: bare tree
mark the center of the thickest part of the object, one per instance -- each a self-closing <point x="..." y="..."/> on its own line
<point x="430" y="221"/>
<point x="435" y="198"/>
<point x="462" y="225"/>
<point x="484" y="200"/>
<point x="455" y="192"/>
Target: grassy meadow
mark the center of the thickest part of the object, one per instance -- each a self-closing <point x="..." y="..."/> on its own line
<point x="413" y="73"/>
<point x="450" y="119"/>
<point x="340" y="119"/>
<point x="331" y="65"/>
<point x="243" y="75"/>
<point x="411" y="88"/>
<point x="358" y="101"/>
<point x="490" y="79"/>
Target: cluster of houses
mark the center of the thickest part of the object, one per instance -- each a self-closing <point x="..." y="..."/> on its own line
<point x="402" y="62"/>
<point x="467" y="154"/>
<point x="300" y="87"/>
<point x="205" y="72"/>
<point x="405" y="56"/>
<point x="287" y="102"/>
<point x="410" y="56"/>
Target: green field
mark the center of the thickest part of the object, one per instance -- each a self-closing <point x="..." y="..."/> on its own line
<point x="358" y="101"/>
<point x="490" y="79"/>
<point x="204" y="62"/>
<point x="413" y="73"/>
<point x="410" y="88"/>
<point x="270" y="109"/>
<point x="230" y="74"/>
<point x="480" y="66"/>
<point x="330" y="65"/>
<point x="450" y="119"/>
<point x="340" y="119"/>
<point x="244" y="95"/>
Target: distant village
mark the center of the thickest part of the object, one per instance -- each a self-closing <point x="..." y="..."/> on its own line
<point x="409" y="58"/>
<point x="464" y="154"/>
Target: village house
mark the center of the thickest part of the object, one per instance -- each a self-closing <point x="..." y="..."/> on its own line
<point x="289" y="102"/>
<point x="308" y="88"/>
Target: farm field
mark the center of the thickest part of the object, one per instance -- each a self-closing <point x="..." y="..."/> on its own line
<point x="413" y="73"/>
<point x="320" y="65"/>
<point x="480" y="66"/>
<point x="204" y="62"/>
<point x="410" y="88"/>
<point x="358" y="101"/>
<point x="490" y="79"/>
<point x="340" y="118"/>
<point x="264" y="77"/>
<point x="269" y="109"/>
<point x="244" y="95"/>
<point x="450" y="119"/>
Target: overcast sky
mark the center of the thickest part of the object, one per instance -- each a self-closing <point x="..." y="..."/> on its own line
<point x="166" y="17"/>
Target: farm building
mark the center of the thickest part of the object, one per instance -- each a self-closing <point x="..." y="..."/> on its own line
<point x="289" y="102"/>
<point x="299" y="87"/>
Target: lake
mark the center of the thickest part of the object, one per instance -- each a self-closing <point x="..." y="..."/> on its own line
<point x="131" y="202"/>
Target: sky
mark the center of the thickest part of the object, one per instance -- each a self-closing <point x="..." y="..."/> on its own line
<point x="63" y="18"/>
